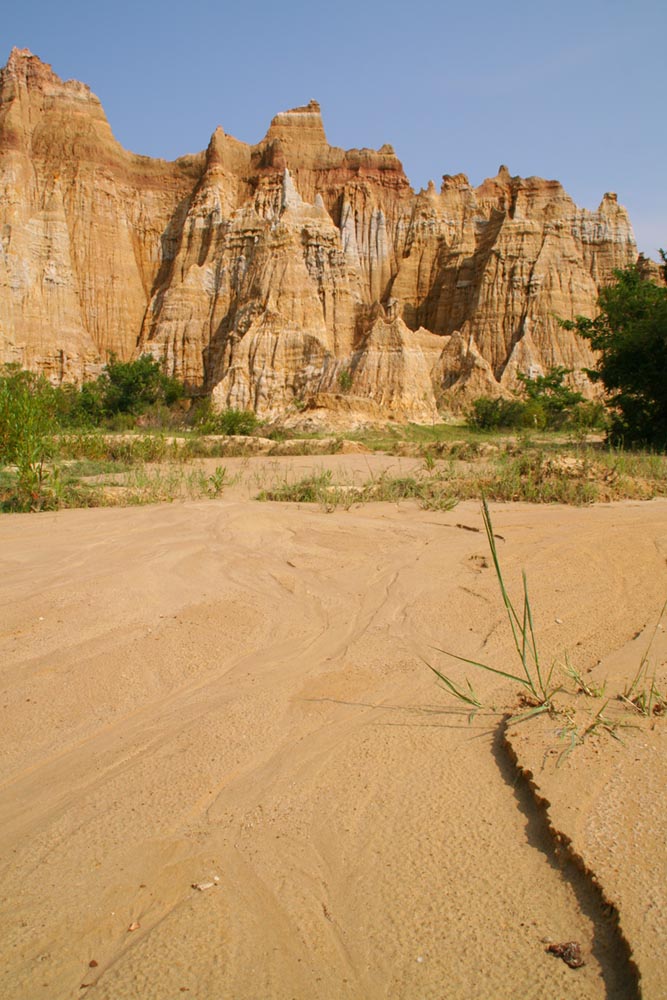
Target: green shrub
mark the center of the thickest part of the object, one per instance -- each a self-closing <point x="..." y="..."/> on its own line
<point x="547" y="403"/>
<point x="123" y="393"/>
<point x="550" y="393"/>
<point x="207" y="421"/>
<point x="489" y="414"/>
<point x="27" y="418"/>
<point x="134" y="386"/>
<point x="588" y="416"/>
<point x="79" y="406"/>
<point x="533" y="415"/>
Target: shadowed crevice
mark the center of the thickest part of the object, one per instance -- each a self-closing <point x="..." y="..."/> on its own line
<point x="610" y="947"/>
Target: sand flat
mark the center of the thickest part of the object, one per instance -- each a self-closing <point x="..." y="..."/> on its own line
<point x="235" y="691"/>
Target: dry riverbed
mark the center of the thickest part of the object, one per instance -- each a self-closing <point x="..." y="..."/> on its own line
<point x="227" y="771"/>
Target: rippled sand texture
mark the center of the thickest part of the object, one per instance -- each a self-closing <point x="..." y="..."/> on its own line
<point x="235" y="691"/>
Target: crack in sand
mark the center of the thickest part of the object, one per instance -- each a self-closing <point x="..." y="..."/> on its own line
<point x="610" y="946"/>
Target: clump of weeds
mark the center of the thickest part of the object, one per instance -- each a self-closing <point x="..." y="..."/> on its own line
<point x="538" y="688"/>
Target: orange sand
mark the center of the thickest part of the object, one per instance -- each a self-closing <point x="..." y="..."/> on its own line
<point x="235" y="690"/>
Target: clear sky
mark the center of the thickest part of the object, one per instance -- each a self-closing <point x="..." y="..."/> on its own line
<point x="569" y="90"/>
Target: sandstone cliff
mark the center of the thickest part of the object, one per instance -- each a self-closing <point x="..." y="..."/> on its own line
<point x="286" y="274"/>
<point x="85" y="225"/>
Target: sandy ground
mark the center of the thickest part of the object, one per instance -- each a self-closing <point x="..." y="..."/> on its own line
<point x="231" y="692"/>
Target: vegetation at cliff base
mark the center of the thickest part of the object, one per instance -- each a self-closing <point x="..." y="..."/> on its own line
<point x="27" y="412"/>
<point x="50" y="435"/>
<point x="231" y="421"/>
<point x="630" y="334"/>
<point x="545" y="402"/>
<point x="61" y="446"/>
<point x="124" y="392"/>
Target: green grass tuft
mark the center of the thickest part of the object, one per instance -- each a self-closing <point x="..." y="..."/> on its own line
<point x="536" y="681"/>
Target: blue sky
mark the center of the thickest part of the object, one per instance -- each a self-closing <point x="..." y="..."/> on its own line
<point x="573" y="91"/>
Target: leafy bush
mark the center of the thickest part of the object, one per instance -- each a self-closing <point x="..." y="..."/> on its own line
<point x="490" y="414"/>
<point x="27" y="417"/>
<point x="79" y="406"/>
<point x="134" y="386"/>
<point x="550" y="396"/>
<point x="207" y="421"/>
<point x="124" y="392"/>
<point x="588" y="416"/>
<point x="547" y="403"/>
<point x="534" y="415"/>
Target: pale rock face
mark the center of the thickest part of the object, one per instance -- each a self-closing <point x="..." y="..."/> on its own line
<point x="462" y="373"/>
<point x="260" y="273"/>
<point x="391" y="368"/>
<point x="271" y="368"/>
<point x="85" y="225"/>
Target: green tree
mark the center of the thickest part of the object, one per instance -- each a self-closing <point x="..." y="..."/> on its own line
<point x="630" y="333"/>
<point x="79" y="406"/>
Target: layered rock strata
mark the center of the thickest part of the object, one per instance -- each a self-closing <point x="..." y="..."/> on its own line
<point x="282" y="275"/>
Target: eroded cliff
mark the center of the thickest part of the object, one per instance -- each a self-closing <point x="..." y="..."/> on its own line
<point x="284" y="274"/>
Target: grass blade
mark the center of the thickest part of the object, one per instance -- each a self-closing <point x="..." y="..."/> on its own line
<point x="535" y="710"/>
<point x="484" y="666"/>
<point x="468" y="699"/>
<point x="518" y="628"/>
<point x="533" y="641"/>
